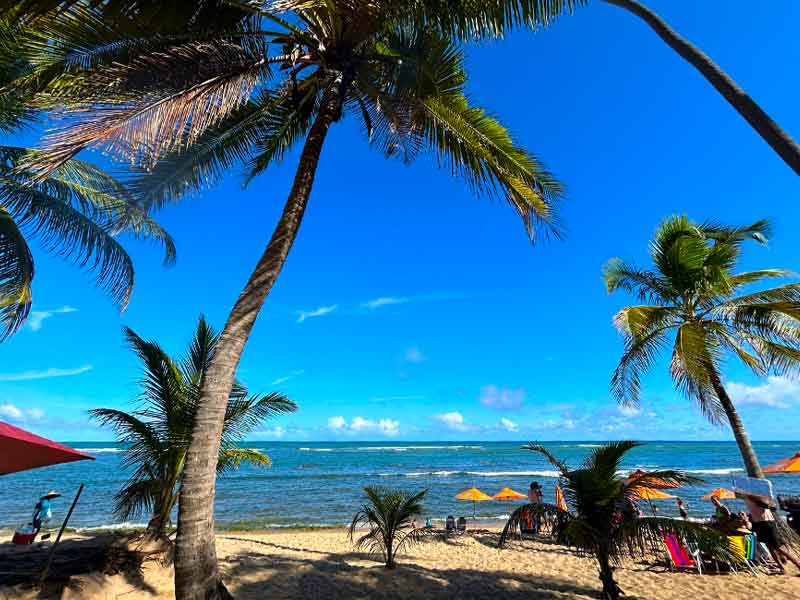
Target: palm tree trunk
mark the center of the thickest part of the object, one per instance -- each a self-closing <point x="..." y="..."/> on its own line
<point x="769" y="130"/>
<point x="196" y="570"/>
<point x="745" y="447"/>
<point x="611" y="590"/>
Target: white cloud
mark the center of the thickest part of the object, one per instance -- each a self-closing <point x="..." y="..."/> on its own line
<point x="9" y="411"/>
<point x="302" y="315"/>
<point x="337" y="423"/>
<point x="415" y="356"/>
<point x="629" y="411"/>
<point x="777" y="392"/>
<point x="38" y="317"/>
<point x="45" y="374"/>
<point x="502" y="398"/>
<point x="285" y="378"/>
<point x="452" y="420"/>
<point x="361" y="425"/>
<point x="508" y="424"/>
<point x="384" y="301"/>
<point x="14" y="413"/>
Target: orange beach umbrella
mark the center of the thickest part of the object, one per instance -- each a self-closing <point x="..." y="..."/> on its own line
<point x="509" y="494"/>
<point x="721" y="493"/>
<point x="475" y="495"/>
<point x="647" y="493"/>
<point x="656" y="483"/>
<point x="787" y="465"/>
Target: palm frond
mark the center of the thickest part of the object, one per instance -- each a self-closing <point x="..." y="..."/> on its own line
<point x="245" y="413"/>
<point x="639" y="355"/>
<point x="231" y="459"/>
<point x="16" y="276"/>
<point x="563" y="469"/>
<point x="695" y="357"/>
<point x="645" y="285"/>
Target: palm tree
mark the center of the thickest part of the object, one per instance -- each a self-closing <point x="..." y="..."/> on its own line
<point x="693" y="293"/>
<point x="189" y="106"/>
<point x="594" y="494"/>
<point x="76" y="212"/>
<point x="389" y="515"/>
<point x="156" y="436"/>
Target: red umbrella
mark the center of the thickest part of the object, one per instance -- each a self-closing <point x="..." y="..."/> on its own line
<point x="21" y="450"/>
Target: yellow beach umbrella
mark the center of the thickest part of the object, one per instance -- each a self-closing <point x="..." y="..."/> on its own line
<point x="509" y="494"/>
<point x="475" y="495"/>
<point x="560" y="502"/>
<point x="721" y="493"/>
<point x="648" y="493"/>
<point x="787" y="465"/>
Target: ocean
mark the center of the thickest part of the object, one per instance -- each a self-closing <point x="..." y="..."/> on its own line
<point x="319" y="484"/>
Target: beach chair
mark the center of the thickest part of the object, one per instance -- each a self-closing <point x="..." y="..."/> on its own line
<point x="450" y="524"/>
<point x="461" y="525"/>
<point x="743" y="547"/>
<point x="680" y="557"/>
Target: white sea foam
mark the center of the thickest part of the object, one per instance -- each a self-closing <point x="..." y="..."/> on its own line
<point x="589" y="445"/>
<point x="714" y="471"/>
<point x="473" y="474"/>
<point x="388" y="448"/>
<point x="100" y="450"/>
<point x="123" y="525"/>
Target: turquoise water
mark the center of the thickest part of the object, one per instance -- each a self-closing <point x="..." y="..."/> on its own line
<point x="321" y="483"/>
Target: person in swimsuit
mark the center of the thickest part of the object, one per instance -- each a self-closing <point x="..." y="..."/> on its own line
<point x="766" y="529"/>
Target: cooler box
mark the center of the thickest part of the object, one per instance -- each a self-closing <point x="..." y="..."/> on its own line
<point x="749" y="486"/>
<point x="23" y="536"/>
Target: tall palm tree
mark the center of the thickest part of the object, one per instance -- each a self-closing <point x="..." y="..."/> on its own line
<point x="594" y="494"/>
<point x="389" y="516"/>
<point x="156" y="436"/>
<point x="77" y="211"/>
<point x="694" y="294"/>
<point x="189" y="106"/>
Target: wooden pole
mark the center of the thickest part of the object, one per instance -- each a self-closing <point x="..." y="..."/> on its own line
<point x="60" y="532"/>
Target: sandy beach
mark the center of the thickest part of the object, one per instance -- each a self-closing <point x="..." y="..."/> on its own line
<point x="321" y="564"/>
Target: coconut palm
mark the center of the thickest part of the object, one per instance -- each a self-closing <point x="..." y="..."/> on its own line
<point x="465" y="18"/>
<point x="156" y="436"/>
<point x="188" y="107"/>
<point x="694" y="294"/>
<point x="388" y="515"/>
<point x="76" y="212"/>
<point x="594" y="494"/>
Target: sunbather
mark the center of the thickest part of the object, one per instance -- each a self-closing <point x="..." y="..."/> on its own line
<point x="766" y="530"/>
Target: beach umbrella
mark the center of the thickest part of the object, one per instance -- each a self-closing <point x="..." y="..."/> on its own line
<point x="509" y="494"/>
<point x="560" y="502"/>
<point x="21" y="450"/>
<point x="648" y="493"/>
<point x="721" y="493"/>
<point x="660" y="484"/>
<point x="475" y="495"/>
<point x="787" y="465"/>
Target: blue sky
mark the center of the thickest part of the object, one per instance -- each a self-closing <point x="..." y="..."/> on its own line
<point x="409" y="309"/>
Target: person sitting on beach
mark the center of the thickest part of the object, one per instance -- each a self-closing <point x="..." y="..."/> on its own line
<point x="766" y="529"/>
<point x="535" y="496"/>
<point x="722" y="513"/>
<point x="682" y="510"/>
<point x="630" y="511"/>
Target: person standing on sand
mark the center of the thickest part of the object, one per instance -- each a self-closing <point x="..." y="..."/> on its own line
<point x="682" y="509"/>
<point x="766" y="530"/>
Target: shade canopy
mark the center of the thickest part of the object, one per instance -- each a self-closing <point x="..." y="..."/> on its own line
<point x="21" y="450"/>
<point x="509" y="494"/>
<point x="647" y="493"/>
<point x="787" y="465"/>
<point x="721" y="493"/>
<point x="655" y="483"/>
<point x="473" y="494"/>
